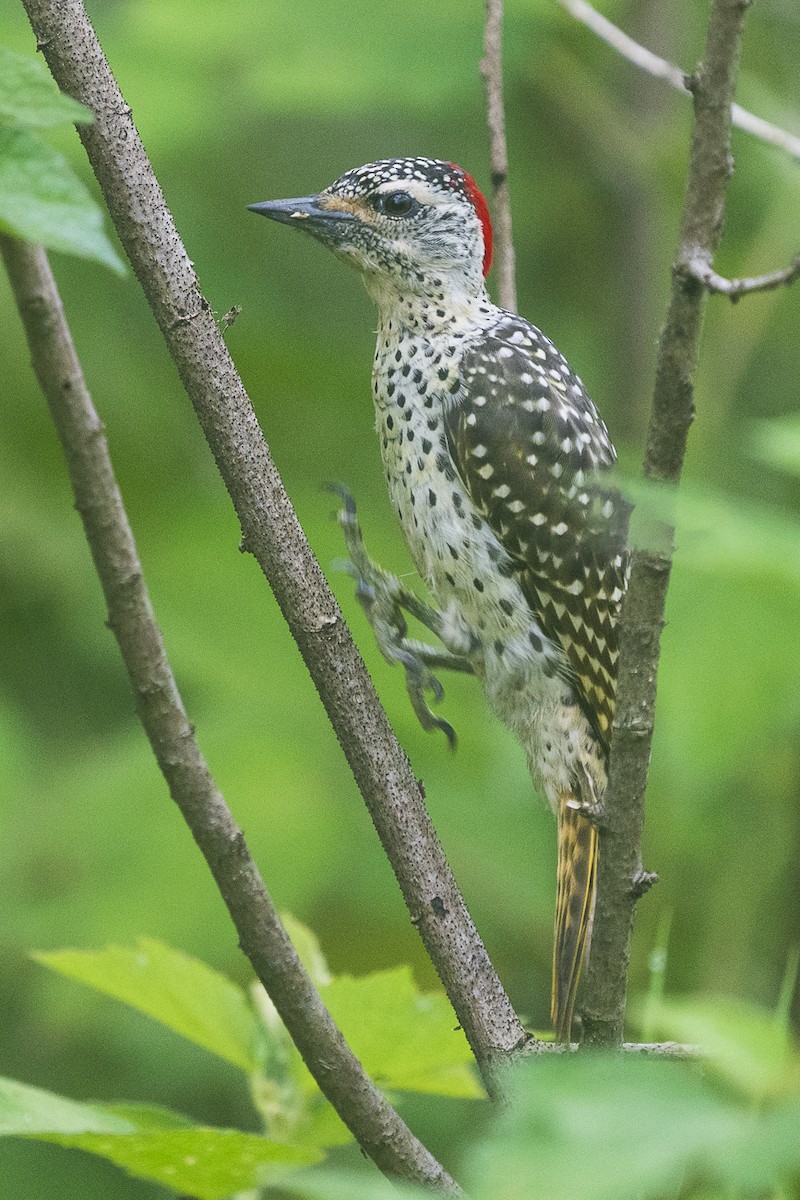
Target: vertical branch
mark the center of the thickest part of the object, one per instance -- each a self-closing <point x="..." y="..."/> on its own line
<point x="271" y="531"/>
<point x="621" y="879"/>
<point x="372" y="1120"/>
<point x="492" y="72"/>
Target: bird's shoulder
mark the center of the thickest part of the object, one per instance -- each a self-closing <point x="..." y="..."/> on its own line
<point x="514" y="371"/>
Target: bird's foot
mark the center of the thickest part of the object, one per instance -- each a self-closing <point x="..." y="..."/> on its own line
<point x="385" y="601"/>
<point x="585" y="800"/>
<point x="595" y="812"/>
<point x="641" y="882"/>
<point x="419" y="680"/>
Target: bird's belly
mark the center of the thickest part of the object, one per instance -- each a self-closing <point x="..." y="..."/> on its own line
<point x="458" y="556"/>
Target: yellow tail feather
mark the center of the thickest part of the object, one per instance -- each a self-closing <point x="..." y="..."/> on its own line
<point x="577" y="875"/>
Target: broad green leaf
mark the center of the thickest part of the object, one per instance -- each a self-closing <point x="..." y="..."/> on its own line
<point x="29" y="95"/>
<point x="149" y="1142"/>
<point x="405" y="1038"/>
<point x="42" y="200"/>
<point x="620" y="1127"/>
<point x="180" y="992"/>
<point x="210" y="1164"/>
<point x="148" y="1117"/>
<point x="28" y="1110"/>
<point x="745" y="1044"/>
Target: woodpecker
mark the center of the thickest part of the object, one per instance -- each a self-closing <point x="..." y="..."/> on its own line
<point x="494" y="457"/>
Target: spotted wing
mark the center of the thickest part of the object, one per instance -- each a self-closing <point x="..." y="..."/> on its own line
<point x="530" y="449"/>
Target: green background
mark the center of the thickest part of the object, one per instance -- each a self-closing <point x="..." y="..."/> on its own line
<point x="248" y="101"/>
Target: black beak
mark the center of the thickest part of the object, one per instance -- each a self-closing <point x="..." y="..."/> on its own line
<point x="305" y="211"/>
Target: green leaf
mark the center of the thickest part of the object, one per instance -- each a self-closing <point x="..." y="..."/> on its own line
<point x="150" y="1142"/>
<point x="746" y="1045"/>
<point x="29" y="95"/>
<point x="405" y="1038"/>
<point x="42" y="200"/>
<point x="146" y="1117"/>
<point x="209" y="1164"/>
<point x="28" y="1110"/>
<point x="180" y="992"/>
<point x="621" y="1127"/>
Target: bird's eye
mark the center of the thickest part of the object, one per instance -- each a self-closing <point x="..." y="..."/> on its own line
<point x="394" y="204"/>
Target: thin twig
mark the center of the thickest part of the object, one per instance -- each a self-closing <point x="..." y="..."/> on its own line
<point x="492" y="72"/>
<point x="643" y="58"/>
<point x="272" y="533"/>
<point x="642" y="618"/>
<point x="734" y="289"/>
<point x="679" y="1050"/>
<point x="371" y="1119"/>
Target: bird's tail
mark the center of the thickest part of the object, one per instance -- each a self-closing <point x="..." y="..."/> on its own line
<point x="577" y="875"/>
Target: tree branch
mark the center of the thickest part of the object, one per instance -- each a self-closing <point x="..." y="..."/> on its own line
<point x="679" y="1050"/>
<point x="642" y="618"/>
<point x="371" y="1119"/>
<point x="674" y="76"/>
<point x="272" y="533"/>
<point x="492" y="72"/>
<point x="734" y="289"/>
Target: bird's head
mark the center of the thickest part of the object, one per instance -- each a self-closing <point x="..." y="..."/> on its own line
<point x="416" y="225"/>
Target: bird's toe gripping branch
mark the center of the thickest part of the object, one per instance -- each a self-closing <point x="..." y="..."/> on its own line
<point x="385" y="602"/>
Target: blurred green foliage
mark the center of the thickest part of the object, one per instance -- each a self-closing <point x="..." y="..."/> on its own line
<point x="244" y="102"/>
<point x="602" y="1126"/>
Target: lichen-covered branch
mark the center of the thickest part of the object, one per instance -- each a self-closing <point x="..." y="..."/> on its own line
<point x="620" y="873"/>
<point x="271" y="531"/>
<point x="492" y="71"/>
<point x="374" y="1123"/>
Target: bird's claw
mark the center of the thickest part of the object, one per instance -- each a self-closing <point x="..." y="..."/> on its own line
<point x="595" y="812"/>
<point x="419" y="680"/>
<point x="381" y="596"/>
<point x="641" y="882"/>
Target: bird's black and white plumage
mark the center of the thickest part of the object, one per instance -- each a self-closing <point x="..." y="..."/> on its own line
<point x="494" y="455"/>
<point x="528" y="444"/>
